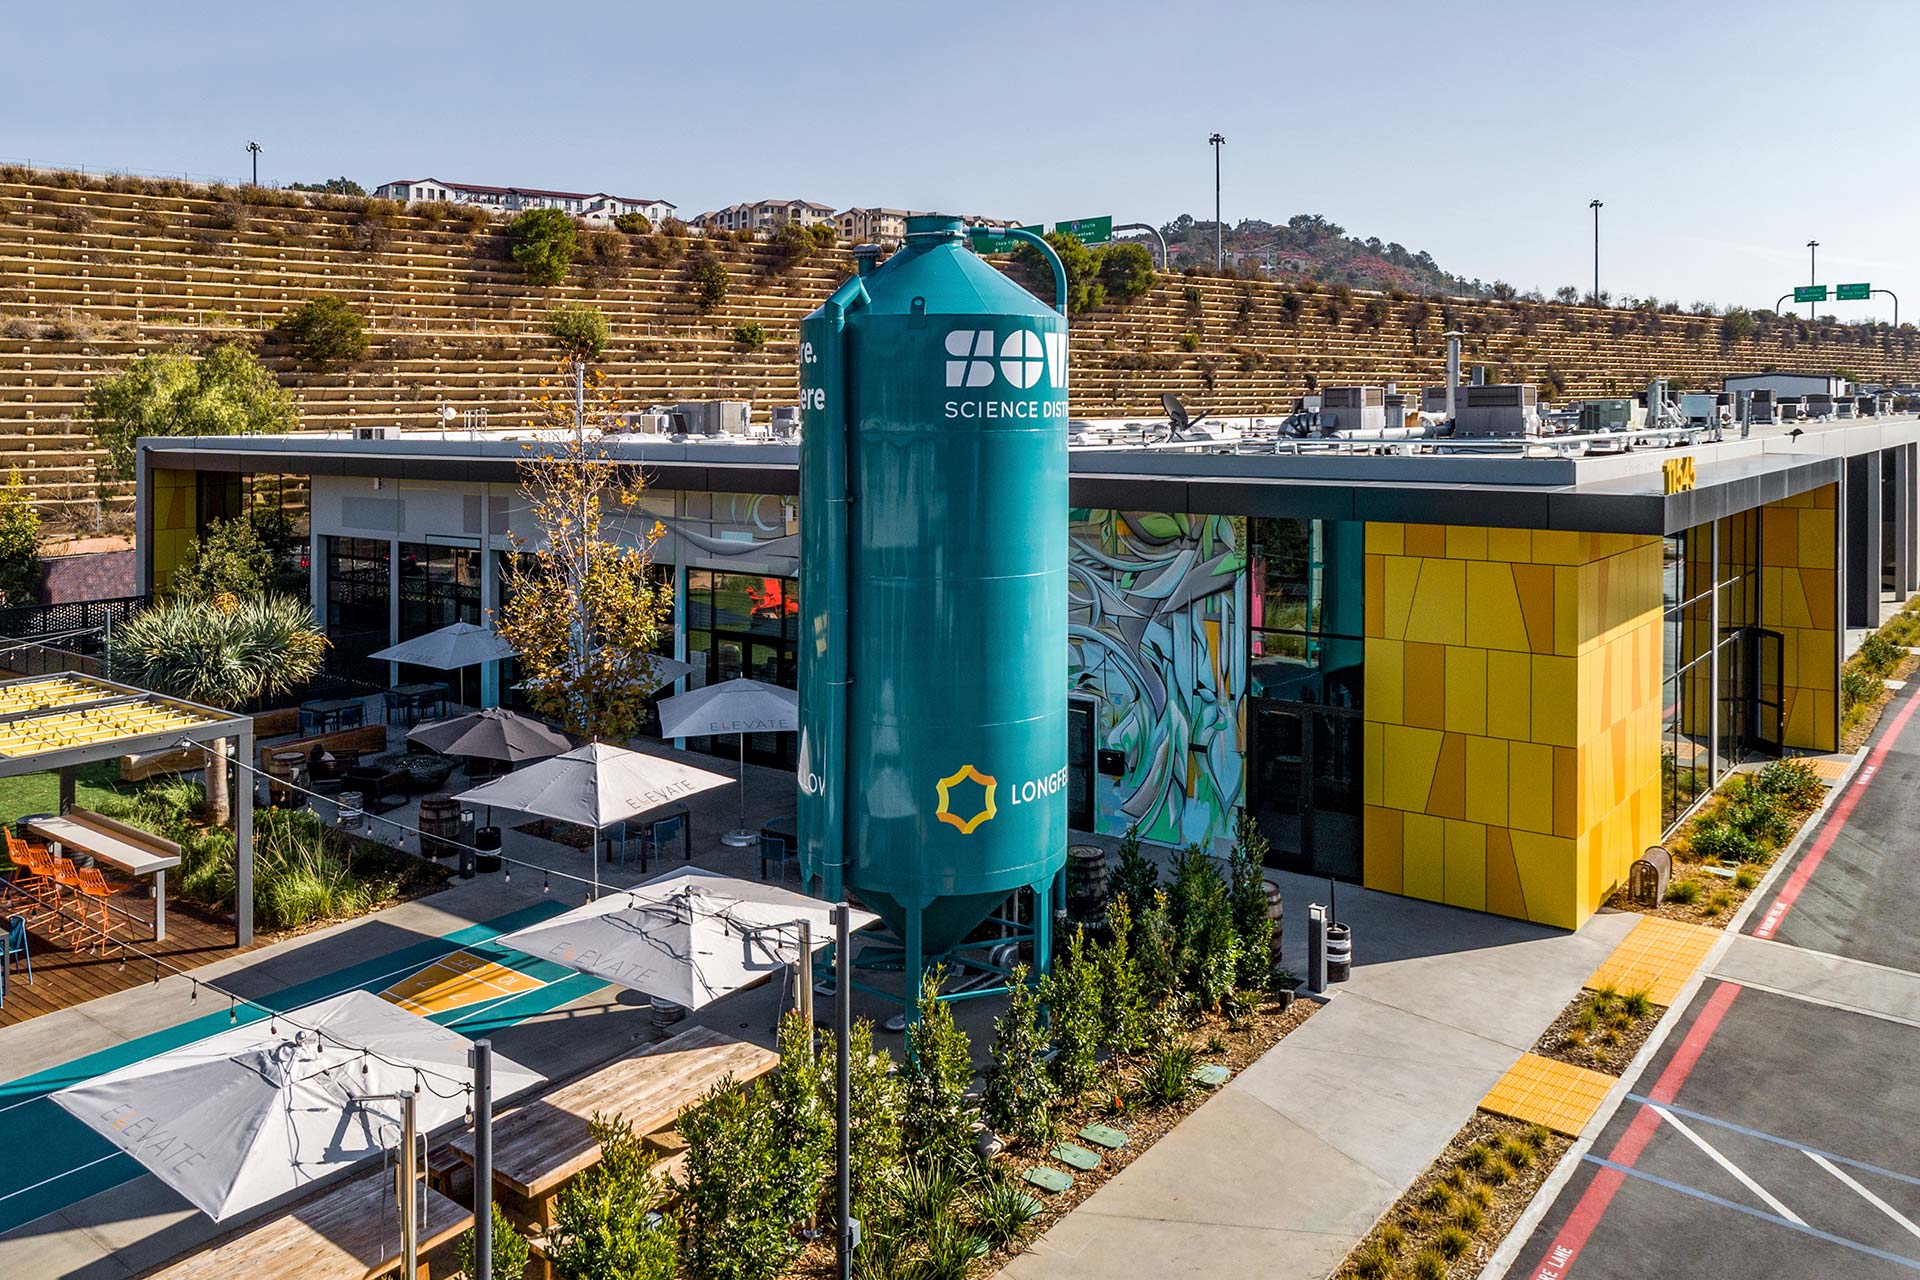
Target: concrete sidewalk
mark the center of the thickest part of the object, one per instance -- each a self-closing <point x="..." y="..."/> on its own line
<point x="1290" y="1165"/>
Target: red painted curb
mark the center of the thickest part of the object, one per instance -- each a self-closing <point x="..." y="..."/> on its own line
<point x="1599" y="1194"/>
<point x="1790" y="891"/>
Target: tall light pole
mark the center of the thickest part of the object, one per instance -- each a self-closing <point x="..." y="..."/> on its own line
<point x="1813" y="269"/>
<point x="1216" y="140"/>
<point x="253" y="149"/>
<point x="1596" y="207"/>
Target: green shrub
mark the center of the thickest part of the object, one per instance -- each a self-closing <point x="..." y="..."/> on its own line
<point x="633" y="224"/>
<point x="1015" y="1104"/>
<point x="228" y="560"/>
<point x="1475" y="1157"/>
<point x="1716" y="839"/>
<point x="1136" y="878"/>
<point x="1155" y="952"/>
<point x="1452" y="1242"/>
<point x="1123" y="1011"/>
<point x="1189" y="341"/>
<point x="1469" y="1217"/>
<point x="579" y="329"/>
<point x="938" y="1120"/>
<point x="800" y="1095"/>
<point x="737" y="1199"/>
<point x="1085" y="289"/>
<point x="1718" y="903"/>
<point x="1746" y="877"/>
<point x="1858" y="687"/>
<point x="1793" y="783"/>
<point x="1636" y="1005"/>
<point x="227" y="392"/>
<point x="1391" y="1238"/>
<point x="1538" y="1136"/>
<point x="1126" y="271"/>
<point x="925" y="1190"/>
<point x="792" y="244"/>
<point x="752" y="335"/>
<point x="1684" y="892"/>
<point x="1206" y="952"/>
<point x="1498" y="1172"/>
<point x="875" y="1103"/>
<point x="325" y="331"/>
<point x="1438" y="1198"/>
<point x="1247" y="894"/>
<point x="1168" y="1077"/>
<point x="509" y="1251"/>
<point x="603" y="1226"/>
<point x="1879" y="654"/>
<point x="19" y="541"/>
<point x="1516" y="1153"/>
<point x="543" y="242"/>
<point x="1480" y="1197"/>
<point x="708" y="279"/>
<point x="1001" y="1210"/>
<point x="950" y="1249"/>
<point x="1072" y="995"/>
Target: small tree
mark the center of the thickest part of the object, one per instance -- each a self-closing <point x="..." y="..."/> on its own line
<point x="1136" y="878"/>
<point x="1123" y="1012"/>
<point x="510" y="1254"/>
<point x="736" y="1226"/>
<point x="229" y="561"/>
<point x="325" y="331"/>
<point x="1072" y="994"/>
<point x="792" y="245"/>
<point x="579" y="329"/>
<point x="1084" y="286"/>
<point x="341" y="186"/>
<point x="752" y="336"/>
<point x="602" y="1229"/>
<point x="709" y="280"/>
<point x="543" y="242"/>
<point x="938" y="1121"/>
<point x="800" y="1092"/>
<point x="633" y="224"/>
<point x="1126" y="271"/>
<point x="228" y="392"/>
<point x="875" y="1103"/>
<point x="1016" y="1101"/>
<point x="19" y="541"/>
<point x="1206" y="954"/>
<point x="1247" y="894"/>
<point x="1154" y="952"/>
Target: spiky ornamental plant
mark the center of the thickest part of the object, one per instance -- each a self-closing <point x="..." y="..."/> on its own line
<point x="1017" y="1094"/>
<point x="223" y="652"/>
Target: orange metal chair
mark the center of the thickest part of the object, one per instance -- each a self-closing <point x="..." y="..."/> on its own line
<point x="65" y="880"/>
<point x="92" y="894"/>
<point x="37" y="884"/>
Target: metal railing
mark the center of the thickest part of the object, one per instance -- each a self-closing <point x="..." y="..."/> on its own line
<point x="82" y="625"/>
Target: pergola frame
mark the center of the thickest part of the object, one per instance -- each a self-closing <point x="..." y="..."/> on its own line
<point x="200" y="724"/>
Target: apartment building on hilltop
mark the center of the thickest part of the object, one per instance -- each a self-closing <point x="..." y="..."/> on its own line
<point x="594" y="206"/>
<point x="763" y="215"/>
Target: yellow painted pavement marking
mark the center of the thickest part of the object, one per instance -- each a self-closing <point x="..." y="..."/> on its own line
<point x="1657" y="957"/>
<point x="456" y="981"/>
<point x="1545" y="1091"/>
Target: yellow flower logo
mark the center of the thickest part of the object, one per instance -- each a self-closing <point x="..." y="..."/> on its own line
<point x="945" y="786"/>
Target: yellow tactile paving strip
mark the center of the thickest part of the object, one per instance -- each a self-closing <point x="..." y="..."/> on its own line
<point x="1540" y="1090"/>
<point x="1657" y="957"/>
<point x="1830" y="767"/>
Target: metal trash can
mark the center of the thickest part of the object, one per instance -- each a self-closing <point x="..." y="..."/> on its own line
<point x="487" y="841"/>
<point x="351" y="810"/>
<point x="1339" y="952"/>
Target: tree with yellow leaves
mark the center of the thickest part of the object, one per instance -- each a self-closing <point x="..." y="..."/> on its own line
<point x="585" y="609"/>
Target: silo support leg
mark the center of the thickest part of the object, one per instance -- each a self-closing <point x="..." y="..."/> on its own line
<point x="1043" y="927"/>
<point x="910" y="968"/>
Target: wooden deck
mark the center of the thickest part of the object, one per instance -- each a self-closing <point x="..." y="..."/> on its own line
<point x="63" y="977"/>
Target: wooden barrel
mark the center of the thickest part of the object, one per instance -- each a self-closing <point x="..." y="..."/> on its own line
<point x="1087" y="884"/>
<point x="439" y="826"/>
<point x="283" y="767"/>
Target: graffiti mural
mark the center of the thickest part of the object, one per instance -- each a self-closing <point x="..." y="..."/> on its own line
<point x="1157" y="641"/>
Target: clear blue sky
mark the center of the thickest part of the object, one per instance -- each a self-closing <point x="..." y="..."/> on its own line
<point x="1721" y="136"/>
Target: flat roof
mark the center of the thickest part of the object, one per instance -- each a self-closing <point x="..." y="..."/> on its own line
<point x="1455" y="482"/>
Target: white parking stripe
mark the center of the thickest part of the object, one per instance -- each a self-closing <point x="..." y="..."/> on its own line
<point x="1729" y="1166"/>
<point x="1865" y="1194"/>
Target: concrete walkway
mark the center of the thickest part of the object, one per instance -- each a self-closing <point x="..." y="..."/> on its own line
<point x="1290" y="1165"/>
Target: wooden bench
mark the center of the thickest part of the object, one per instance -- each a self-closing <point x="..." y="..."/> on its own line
<point x="351" y="1232"/>
<point x="370" y="739"/>
<point x="543" y="1144"/>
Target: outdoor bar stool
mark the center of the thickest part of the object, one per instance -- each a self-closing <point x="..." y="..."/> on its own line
<point x="39" y="884"/>
<point x="93" y="893"/>
<point x="65" y="878"/>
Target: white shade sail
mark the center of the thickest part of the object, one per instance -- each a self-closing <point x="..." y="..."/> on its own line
<point x="256" y="1111"/>
<point x="689" y="936"/>
<point x="595" y="785"/>
<point x="732" y="706"/>
<point x="449" y="648"/>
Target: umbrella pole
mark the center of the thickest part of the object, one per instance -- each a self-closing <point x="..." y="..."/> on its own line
<point x="596" y="864"/>
<point x="849" y="1237"/>
<point x="740" y="837"/>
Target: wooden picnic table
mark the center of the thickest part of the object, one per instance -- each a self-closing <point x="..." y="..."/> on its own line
<point x="133" y="851"/>
<point x="538" y="1147"/>
<point x="351" y="1232"/>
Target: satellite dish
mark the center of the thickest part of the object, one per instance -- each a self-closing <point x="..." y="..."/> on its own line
<point x="1176" y="412"/>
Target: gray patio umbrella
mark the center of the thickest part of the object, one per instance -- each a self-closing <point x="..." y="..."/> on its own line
<point x="593" y="786"/>
<point x="493" y="734"/>
<point x="256" y="1111"/>
<point x="449" y="648"/>
<point x="739" y="706"/>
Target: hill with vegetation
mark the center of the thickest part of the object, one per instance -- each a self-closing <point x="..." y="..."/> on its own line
<point x="1308" y="247"/>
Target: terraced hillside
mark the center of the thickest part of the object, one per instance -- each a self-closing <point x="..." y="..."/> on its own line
<point x="94" y="272"/>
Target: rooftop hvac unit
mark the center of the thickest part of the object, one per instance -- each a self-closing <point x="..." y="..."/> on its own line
<point x="1505" y="409"/>
<point x="1700" y="409"/>
<point x="1790" y="409"/>
<point x="786" y="420"/>
<point x="1762" y="406"/>
<point x="1616" y="414"/>
<point x="1353" y="409"/>
<point x="1433" y="400"/>
<point x="714" y="417"/>
<point x="1818" y="405"/>
<point x="376" y="433"/>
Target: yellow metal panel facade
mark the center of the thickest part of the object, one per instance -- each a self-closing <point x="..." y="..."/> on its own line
<point x="1800" y="598"/>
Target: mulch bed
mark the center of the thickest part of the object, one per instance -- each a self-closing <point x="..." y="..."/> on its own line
<point x="1144" y="1126"/>
<point x="1419" y="1227"/>
<point x="1560" y="1042"/>
<point x="1856" y="737"/>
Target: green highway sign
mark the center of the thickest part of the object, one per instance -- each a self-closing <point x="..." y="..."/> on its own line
<point x="1810" y="293"/>
<point x="1088" y="230"/>
<point x="1852" y="292"/>
<point x="996" y="242"/>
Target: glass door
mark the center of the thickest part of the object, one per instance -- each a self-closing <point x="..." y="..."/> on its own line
<point x="1766" y="681"/>
<point x="1081" y="776"/>
<point x="1304" y="786"/>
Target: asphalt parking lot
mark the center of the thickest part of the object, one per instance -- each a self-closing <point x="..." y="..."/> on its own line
<point x="1717" y="1166"/>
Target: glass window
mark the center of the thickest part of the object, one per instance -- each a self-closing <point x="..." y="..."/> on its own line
<point x="357" y="602"/>
<point x="1306" y="596"/>
<point x="744" y="624"/>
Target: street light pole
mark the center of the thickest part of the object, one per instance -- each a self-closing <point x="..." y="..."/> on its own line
<point x="1216" y="140"/>
<point x="1596" y="207"/>
<point x="1813" y="270"/>
<point x="253" y="149"/>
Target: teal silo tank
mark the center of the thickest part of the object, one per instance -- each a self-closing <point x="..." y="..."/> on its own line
<point x="933" y="519"/>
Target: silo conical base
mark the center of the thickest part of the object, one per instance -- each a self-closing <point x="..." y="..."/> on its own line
<point x="931" y="933"/>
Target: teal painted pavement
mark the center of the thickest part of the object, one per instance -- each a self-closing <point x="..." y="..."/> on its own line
<point x="52" y="1160"/>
